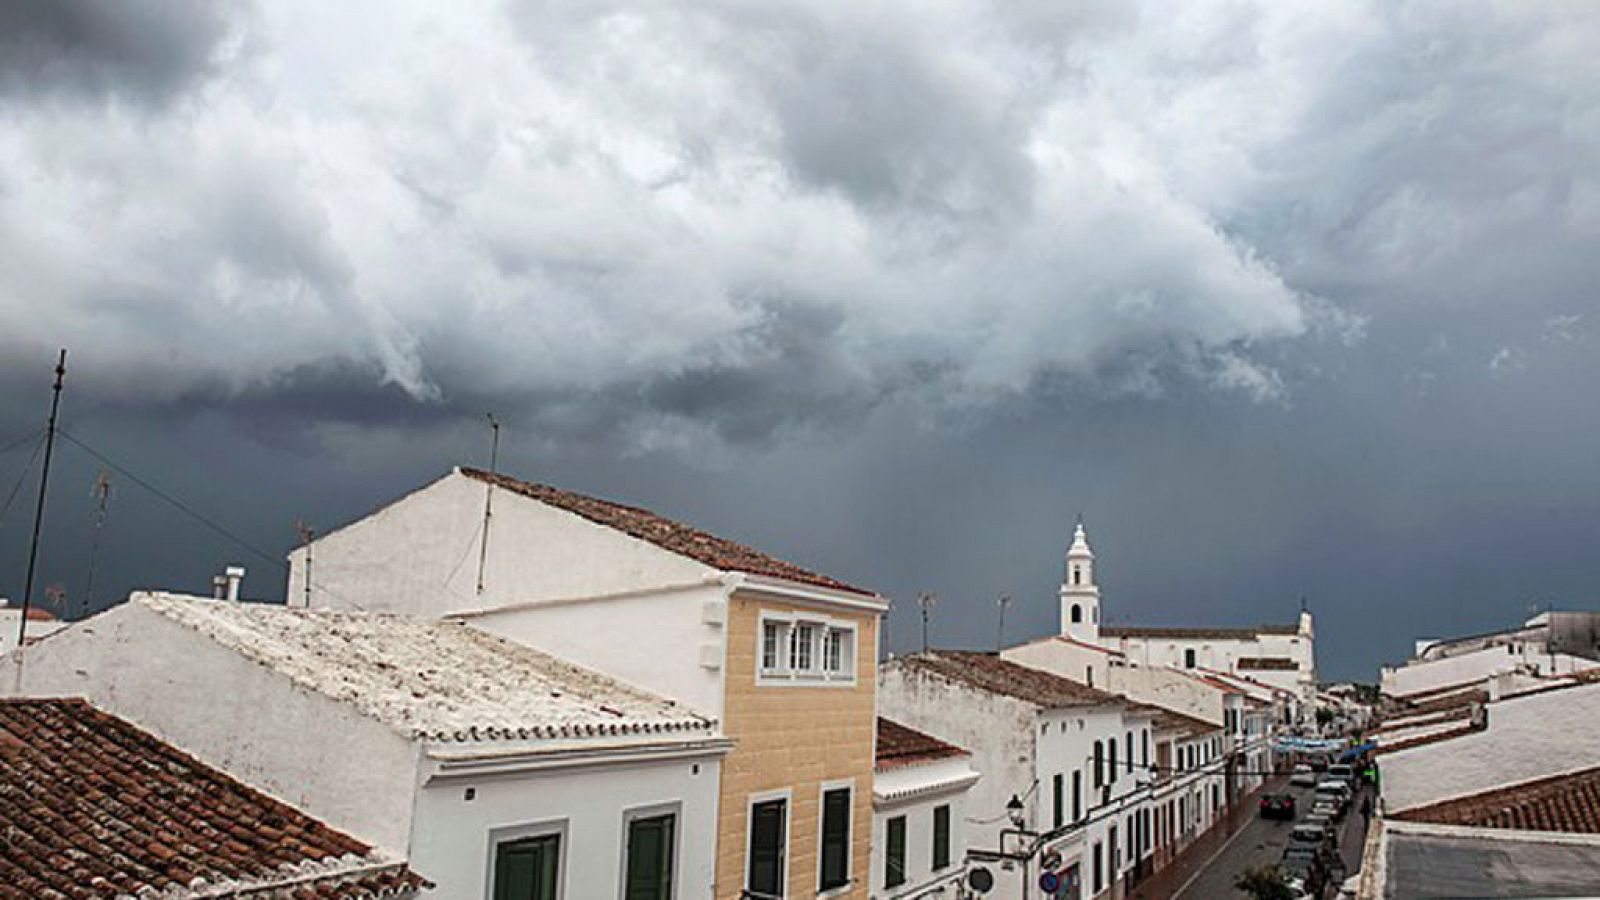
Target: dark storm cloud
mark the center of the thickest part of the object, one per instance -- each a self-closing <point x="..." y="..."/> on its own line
<point x="144" y="52"/>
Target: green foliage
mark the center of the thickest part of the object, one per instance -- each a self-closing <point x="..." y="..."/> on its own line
<point x="1264" y="883"/>
<point x="1324" y="715"/>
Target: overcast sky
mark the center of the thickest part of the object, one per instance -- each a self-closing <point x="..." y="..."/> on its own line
<point x="1287" y="300"/>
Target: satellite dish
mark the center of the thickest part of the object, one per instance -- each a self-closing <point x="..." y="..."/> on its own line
<point x="980" y="880"/>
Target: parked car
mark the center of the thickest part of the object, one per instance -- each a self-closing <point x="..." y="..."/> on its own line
<point x="1277" y="806"/>
<point x="1304" y="870"/>
<point x="1319" y="762"/>
<point x="1342" y="772"/>
<point x="1337" y="791"/>
<point x="1302" y="776"/>
<point x="1328" y="808"/>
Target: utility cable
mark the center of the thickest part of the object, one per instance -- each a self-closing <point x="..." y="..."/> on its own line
<point x="21" y="477"/>
<point x="20" y="441"/>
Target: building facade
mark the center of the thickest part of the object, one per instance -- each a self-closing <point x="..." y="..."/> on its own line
<point x="782" y="657"/>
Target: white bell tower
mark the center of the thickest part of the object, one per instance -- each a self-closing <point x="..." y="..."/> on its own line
<point x="1080" y="598"/>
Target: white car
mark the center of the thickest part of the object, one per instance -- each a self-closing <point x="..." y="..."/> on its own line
<point x="1303" y="776"/>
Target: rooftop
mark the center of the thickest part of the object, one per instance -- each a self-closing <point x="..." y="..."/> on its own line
<point x="988" y="672"/>
<point x="92" y="807"/>
<point x="899" y="746"/>
<point x="1568" y="802"/>
<point x="431" y="679"/>
<point x="1461" y="863"/>
<point x="1147" y="631"/>
<point x="676" y="537"/>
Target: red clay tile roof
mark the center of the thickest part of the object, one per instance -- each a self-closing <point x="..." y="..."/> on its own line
<point x="899" y="746"/>
<point x="92" y="807"/>
<point x="684" y="540"/>
<point x="1145" y="631"/>
<point x="1466" y="728"/>
<point x="988" y="672"/>
<point x="1267" y="663"/>
<point x="1567" y="803"/>
<point x="1433" y="718"/>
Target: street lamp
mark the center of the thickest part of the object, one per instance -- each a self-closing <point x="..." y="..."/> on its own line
<point x="1014" y="810"/>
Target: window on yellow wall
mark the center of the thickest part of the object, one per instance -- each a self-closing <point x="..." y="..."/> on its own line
<point x="801" y="641"/>
<point x="772" y="636"/>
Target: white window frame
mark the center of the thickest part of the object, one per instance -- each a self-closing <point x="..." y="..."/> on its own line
<point x="848" y="784"/>
<point x="818" y="674"/>
<point x="506" y="835"/>
<point x="750" y="801"/>
<point x="674" y="809"/>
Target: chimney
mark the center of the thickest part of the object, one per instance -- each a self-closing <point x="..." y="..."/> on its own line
<point x="233" y="575"/>
<point x="219" y="587"/>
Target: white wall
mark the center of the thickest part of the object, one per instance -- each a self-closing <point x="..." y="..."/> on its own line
<point x="652" y="641"/>
<point x="420" y="555"/>
<point x="301" y="747"/>
<point x="453" y="842"/>
<point x="918" y="811"/>
<point x="1169" y="689"/>
<point x="1072" y="661"/>
<point x="1469" y="668"/>
<point x="11" y="619"/>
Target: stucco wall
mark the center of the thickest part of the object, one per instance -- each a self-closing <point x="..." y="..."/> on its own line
<point x="420" y="555"/>
<point x="653" y="641"/>
<point x="918" y="811"/>
<point x="454" y="837"/>
<point x="1074" y="662"/>
<point x="303" y="748"/>
<point x="795" y="738"/>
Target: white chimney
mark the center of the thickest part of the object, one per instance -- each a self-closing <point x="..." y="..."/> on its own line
<point x="233" y="575"/>
<point x="219" y="586"/>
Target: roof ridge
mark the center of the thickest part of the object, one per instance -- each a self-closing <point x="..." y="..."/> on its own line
<point x="666" y="533"/>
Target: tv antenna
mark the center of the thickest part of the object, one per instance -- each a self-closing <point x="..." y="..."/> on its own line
<point x="488" y="497"/>
<point x="1000" y="633"/>
<point x="306" y="533"/>
<point x="927" y="601"/>
<point x="44" y="489"/>
<point x="101" y="492"/>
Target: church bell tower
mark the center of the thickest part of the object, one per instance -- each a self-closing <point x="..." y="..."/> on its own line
<point x="1080" y="598"/>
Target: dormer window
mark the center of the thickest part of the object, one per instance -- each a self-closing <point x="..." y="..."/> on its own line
<point x="806" y="649"/>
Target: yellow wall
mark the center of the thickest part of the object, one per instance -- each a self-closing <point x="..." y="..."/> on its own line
<point x="799" y="738"/>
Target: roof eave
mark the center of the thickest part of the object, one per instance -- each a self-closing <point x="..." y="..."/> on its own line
<point x="805" y="593"/>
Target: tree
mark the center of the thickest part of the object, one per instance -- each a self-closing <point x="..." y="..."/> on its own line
<point x="1264" y="883"/>
<point x="1324" y="715"/>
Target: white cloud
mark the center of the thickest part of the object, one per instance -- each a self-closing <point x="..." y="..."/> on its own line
<point x="580" y="198"/>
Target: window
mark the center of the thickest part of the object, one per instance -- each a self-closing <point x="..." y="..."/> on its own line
<point x="1077" y="613"/>
<point x="648" y="871"/>
<point x="801" y="638"/>
<point x="836" y="647"/>
<point x="771" y="645"/>
<point x="894" y="856"/>
<point x="1077" y="795"/>
<point x="1116" y="850"/>
<point x="941" y="836"/>
<point x="1128" y="751"/>
<point x="1144" y="747"/>
<point x="835" y="869"/>
<point x="1099" y="764"/>
<point x="1099" y="868"/>
<point x="806" y="650"/>
<point x="1058" y="789"/>
<point x="1188" y="658"/>
<point x="1111" y="745"/>
<point x="1077" y="575"/>
<point x="528" y="868"/>
<point x="769" y="826"/>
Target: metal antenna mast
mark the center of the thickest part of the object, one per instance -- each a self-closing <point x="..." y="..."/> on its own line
<point x="102" y="495"/>
<point x="488" y="498"/>
<point x="1000" y="634"/>
<point x="44" y="486"/>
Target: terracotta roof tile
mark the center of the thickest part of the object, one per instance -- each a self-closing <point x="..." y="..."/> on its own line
<point x="92" y="807"/>
<point x="684" y="540"/>
<point x="1146" y="631"/>
<point x="899" y="746"/>
<point x="1564" y="803"/>
<point x="988" y="672"/>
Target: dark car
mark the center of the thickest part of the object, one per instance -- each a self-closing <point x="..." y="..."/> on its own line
<point x="1304" y="870"/>
<point x="1277" y="806"/>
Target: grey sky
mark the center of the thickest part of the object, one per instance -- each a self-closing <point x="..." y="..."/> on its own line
<point x="1286" y="299"/>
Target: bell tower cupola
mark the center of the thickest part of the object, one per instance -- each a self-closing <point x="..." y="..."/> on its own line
<point x="1080" y="597"/>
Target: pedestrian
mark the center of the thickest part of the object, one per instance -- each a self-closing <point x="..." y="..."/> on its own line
<point x="1366" y="809"/>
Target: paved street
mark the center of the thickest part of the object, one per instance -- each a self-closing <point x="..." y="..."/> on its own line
<point x="1262" y="841"/>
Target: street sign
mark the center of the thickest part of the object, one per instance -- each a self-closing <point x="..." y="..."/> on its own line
<point x="1049" y="882"/>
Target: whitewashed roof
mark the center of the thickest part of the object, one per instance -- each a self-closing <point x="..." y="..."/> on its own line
<point x="431" y="679"/>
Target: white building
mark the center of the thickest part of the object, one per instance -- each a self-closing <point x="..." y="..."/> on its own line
<point x="919" y="814"/>
<point x="1065" y="767"/>
<point x="476" y="758"/>
<point x="1549" y="644"/>
<point x="41" y="624"/>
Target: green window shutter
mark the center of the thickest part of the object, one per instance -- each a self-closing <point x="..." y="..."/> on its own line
<point x="527" y="869"/>
<point x="650" y="851"/>
<point x="894" y="858"/>
<point x="941" y="836"/>
<point x="835" y="839"/>
<point x="767" y="837"/>
<point x="1058" y="792"/>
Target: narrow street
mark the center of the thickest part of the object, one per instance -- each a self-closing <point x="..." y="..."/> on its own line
<point x="1261" y="841"/>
